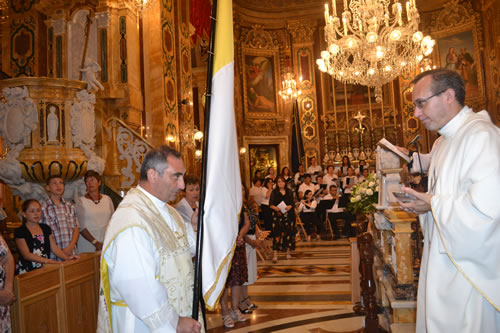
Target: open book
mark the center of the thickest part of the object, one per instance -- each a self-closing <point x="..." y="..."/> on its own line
<point x="389" y="146"/>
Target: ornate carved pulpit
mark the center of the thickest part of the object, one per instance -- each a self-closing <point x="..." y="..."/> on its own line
<point x="394" y="258"/>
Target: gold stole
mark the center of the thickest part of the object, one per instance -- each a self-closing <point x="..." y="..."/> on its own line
<point x="175" y="266"/>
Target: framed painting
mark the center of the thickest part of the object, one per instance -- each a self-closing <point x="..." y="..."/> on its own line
<point x="263" y="157"/>
<point x="458" y="50"/>
<point x="357" y="96"/>
<point x="260" y="82"/>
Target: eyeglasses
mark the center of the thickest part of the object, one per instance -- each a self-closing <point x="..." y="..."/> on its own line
<point x="419" y="103"/>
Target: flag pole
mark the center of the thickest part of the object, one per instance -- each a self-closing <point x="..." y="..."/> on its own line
<point x="203" y="187"/>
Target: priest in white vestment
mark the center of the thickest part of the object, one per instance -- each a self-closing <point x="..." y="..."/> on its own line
<point x="459" y="283"/>
<point x="146" y="267"/>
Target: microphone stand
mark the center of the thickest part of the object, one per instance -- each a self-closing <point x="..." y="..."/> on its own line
<point x="423" y="178"/>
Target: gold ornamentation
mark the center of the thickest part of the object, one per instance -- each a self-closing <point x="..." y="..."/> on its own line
<point x="302" y="31"/>
<point x="256" y="127"/>
<point x="258" y="38"/>
<point x="453" y="14"/>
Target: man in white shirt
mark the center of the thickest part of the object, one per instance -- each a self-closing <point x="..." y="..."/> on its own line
<point x="337" y="213"/>
<point x="307" y="185"/>
<point x="460" y="215"/>
<point x="146" y="267"/>
<point x="299" y="176"/>
<point x="314" y="169"/>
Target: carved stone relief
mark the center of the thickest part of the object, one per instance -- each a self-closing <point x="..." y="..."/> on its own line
<point x="83" y="128"/>
<point x="133" y="151"/>
<point x="82" y="119"/>
<point x="18" y="118"/>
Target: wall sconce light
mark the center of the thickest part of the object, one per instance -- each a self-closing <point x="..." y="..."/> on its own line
<point x="243" y="150"/>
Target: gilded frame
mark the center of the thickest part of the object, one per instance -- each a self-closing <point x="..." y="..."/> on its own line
<point x="462" y="37"/>
<point x="260" y="90"/>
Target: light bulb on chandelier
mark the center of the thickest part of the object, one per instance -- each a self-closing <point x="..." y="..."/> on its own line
<point x="367" y="46"/>
<point x="289" y="87"/>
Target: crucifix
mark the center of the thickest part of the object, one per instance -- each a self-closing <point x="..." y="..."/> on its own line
<point x="360" y="129"/>
<point x="359" y="117"/>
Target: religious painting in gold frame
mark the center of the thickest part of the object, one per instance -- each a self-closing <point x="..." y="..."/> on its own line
<point x="458" y="49"/>
<point x="260" y="82"/>
<point x="263" y="157"/>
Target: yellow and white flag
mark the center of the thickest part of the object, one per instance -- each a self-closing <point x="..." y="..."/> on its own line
<point x="223" y="181"/>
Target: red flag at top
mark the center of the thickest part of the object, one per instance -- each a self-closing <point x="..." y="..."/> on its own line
<point x="200" y="17"/>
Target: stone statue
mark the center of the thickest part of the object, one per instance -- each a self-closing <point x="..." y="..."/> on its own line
<point x="52" y="124"/>
<point x="90" y="75"/>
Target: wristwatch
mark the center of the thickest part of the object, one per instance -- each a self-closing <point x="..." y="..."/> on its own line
<point x="94" y="242"/>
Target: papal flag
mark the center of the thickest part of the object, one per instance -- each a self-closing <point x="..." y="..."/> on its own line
<point x="223" y="181"/>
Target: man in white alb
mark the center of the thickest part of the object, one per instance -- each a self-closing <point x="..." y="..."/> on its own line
<point x="460" y="214"/>
<point x="146" y="267"/>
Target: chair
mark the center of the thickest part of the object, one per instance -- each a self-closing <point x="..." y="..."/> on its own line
<point x="265" y="245"/>
<point x="300" y="226"/>
<point x="328" y="225"/>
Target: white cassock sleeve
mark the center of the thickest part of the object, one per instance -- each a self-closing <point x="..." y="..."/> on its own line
<point x="133" y="264"/>
<point x="469" y="220"/>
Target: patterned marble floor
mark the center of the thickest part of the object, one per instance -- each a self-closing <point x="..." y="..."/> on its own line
<point x="311" y="292"/>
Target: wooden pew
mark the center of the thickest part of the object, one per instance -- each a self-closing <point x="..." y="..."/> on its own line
<point x="58" y="298"/>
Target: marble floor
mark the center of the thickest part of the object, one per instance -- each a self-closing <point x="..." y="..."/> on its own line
<point x="311" y="292"/>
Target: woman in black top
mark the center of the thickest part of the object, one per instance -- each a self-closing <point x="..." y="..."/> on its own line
<point x="34" y="240"/>
<point x="346" y="163"/>
<point x="283" y="225"/>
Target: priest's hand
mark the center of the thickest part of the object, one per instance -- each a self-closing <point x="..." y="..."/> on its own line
<point x="420" y="206"/>
<point x="188" y="325"/>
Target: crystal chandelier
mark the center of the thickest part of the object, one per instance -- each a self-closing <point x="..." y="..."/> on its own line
<point x="289" y="88"/>
<point x="142" y="5"/>
<point x="369" y="47"/>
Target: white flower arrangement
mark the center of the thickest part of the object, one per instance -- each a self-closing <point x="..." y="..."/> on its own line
<point x="364" y="195"/>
